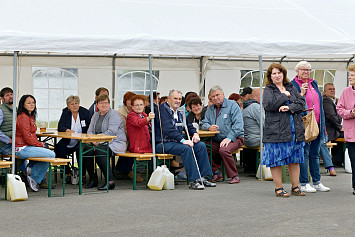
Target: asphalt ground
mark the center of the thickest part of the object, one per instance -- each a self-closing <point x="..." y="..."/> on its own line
<point x="249" y="208"/>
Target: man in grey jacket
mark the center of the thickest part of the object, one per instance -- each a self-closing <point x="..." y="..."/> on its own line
<point x="6" y="109"/>
<point x="226" y="117"/>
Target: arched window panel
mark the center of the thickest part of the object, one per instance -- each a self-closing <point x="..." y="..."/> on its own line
<point x="135" y="81"/>
<point x="323" y="77"/>
<point x="250" y="78"/>
<point x="51" y="86"/>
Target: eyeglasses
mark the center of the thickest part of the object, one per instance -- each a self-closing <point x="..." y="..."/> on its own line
<point x="305" y="70"/>
<point x="103" y="103"/>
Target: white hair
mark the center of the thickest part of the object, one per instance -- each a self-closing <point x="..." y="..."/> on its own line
<point x="172" y="91"/>
<point x="215" y="88"/>
<point x="303" y="63"/>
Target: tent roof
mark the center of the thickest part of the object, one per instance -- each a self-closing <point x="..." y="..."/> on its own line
<point x="296" y="28"/>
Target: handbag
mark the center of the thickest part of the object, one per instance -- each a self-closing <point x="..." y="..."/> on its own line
<point x="311" y="129"/>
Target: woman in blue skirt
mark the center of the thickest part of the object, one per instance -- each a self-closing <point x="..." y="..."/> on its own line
<point x="283" y="130"/>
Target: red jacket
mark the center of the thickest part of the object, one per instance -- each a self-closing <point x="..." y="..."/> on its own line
<point x="138" y="133"/>
<point x="26" y="131"/>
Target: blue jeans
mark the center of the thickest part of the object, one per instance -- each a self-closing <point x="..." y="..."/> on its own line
<point x="6" y="150"/>
<point x="188" y="160"/>
<point x="324" y="152"/>
<point x="39" y="169"/>
<point x="311" y="156"/>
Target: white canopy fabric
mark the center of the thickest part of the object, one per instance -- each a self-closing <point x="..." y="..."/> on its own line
<point x="243" y="28"/>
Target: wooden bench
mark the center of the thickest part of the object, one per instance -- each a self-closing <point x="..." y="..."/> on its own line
<point x="331" y="144"/>
<point x="54" y="164"/>
<point x="143" y="158"/>
<point x="4" y="165"/>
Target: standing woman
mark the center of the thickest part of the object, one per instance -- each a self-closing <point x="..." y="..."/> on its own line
<point x="346" y="110"/>
<point x="108" y="122"/>
<point x="283" y="130"/>
<point x="74" y="119"/>
<point x="308" y="88"/>
<point x="27" y="144"/>
<point x="137" y="126"/>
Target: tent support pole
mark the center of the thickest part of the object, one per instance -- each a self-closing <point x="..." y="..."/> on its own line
<point x="14" y="111"/>
<point x="261" y="112"/>
<point x="152" y="109"/>
<point x="113" y="80"/>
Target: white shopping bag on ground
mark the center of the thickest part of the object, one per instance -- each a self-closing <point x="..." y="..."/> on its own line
<point x="347" y="163"/>
<point x="266" y="173"/>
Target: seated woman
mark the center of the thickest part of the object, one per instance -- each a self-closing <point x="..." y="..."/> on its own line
<point x="27" y="144"/>
<point x="106" y="121"/>
<point x="137" y="126"/>
<point x="74" y="119"/>
<point x="197" y="112"/>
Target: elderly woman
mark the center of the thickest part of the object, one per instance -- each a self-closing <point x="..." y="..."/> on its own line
<point x="27" y="144"/>
<point x="105" y="121"/>
<point x="74" y="119"/>
<point x="137" y="126"/>
<point x="346" y="109"/>
<point x="308" y="88"/>
<point x="197" y="112"/>
<point x="283" y="107"/>
<point x="237" y="98"/>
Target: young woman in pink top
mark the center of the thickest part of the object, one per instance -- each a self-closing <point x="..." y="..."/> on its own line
<point x="346" y="110"/>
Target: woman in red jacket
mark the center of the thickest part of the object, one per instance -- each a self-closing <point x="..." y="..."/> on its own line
<point x="137" y="126"/>
<point x="27" y="144"/>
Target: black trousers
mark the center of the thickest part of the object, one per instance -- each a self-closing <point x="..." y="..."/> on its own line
<point x="351" y="151"/>
<point x="100" y="159"/>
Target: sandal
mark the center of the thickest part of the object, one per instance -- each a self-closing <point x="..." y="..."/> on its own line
<point x="283" y="193"/>
<point x="297" y="191"/>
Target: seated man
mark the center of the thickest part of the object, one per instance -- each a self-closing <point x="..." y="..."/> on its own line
<point x="333" y="122"/>
<point x="246" y="94"/>
<point x="226" y="117"/>
<point x="169" y="139"/>
<point x="252" y="123"/>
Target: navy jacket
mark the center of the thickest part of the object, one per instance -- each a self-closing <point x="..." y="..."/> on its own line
<point x="277" y="127"/>
<point x="170" y="132"/>
<point x="66" y="118"/>
<point x="322" y="133"/>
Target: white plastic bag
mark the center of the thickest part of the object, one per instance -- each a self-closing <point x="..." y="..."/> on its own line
<point x="16" y="189"/>
<point x="266" y="173"/>
<point x="347" y="163"/>
<point x="169" y="181"/>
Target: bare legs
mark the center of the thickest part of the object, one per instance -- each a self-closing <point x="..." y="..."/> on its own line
<point x="294" y="171"/>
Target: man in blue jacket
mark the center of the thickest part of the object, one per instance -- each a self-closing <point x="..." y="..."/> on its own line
<point x="226" y="117"/>
<point x="169" y="139"/>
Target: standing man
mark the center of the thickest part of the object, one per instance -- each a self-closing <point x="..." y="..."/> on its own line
<point x="99" y="91"/>
<point x="169" y="139"/>
<point x="6" y="109"/>
<point x="226" y="117"/>
<point x="333" y="122"/>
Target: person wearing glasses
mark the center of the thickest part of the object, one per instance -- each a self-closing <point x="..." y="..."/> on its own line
<point x="137" y="126"/>
<point x="308" y="88"/>
<point x="106" y="121"/>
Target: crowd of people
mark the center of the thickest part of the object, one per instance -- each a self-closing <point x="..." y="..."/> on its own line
<point x="178" y="119"/>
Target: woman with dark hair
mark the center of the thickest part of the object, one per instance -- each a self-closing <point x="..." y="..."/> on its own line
<point x="74" y="119"/>
<point x="237" y="98"/>
<point x="137" y="126"/>
<point x="283" y="107"/>
<point x="27" y="144"/>
<point x="197" y="112"/>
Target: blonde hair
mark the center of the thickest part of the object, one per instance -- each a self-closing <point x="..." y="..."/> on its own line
<point x="351" y="67"/>
<point x="72" y="98"/>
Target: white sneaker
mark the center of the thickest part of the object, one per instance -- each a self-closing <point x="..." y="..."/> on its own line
<point x="321" y="187"/>
<point x="308" y="189"/>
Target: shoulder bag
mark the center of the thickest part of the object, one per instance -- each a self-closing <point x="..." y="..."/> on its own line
<point x="311" y="129"/>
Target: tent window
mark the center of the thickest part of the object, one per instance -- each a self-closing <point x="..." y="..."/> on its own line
<point x="323" y="77"/>
<point x="250" y="78"/>
<point x="51" y="87"/>
<point x="135" y="81"/>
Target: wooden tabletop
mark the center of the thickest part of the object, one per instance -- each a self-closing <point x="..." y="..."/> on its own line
<point x="340" y="139"/>
<point x="5" y="164"/>
<point x="203" y="133"/>
<point x="79" y="136"/>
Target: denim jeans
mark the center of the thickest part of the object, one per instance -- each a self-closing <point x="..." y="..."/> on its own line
<point x="39" y="169"/>
<point x="324" y="152"/>
<point x="311" y="156"/>
<point x="188" y="160"/>
<point x="6" y="150"/>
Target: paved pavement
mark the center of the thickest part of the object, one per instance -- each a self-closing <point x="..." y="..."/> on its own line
<point x="249" y="208"/>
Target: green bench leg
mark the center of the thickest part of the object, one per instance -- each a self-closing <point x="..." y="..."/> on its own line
<point x="134" y="174"/>
<point x="61" y="170"/>
<point x="5" y="183"/>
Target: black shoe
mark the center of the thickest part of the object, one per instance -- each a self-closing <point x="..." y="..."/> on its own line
<point x="44" y="184"/>
<point x="111" y="185"/>
<point x="92" y="184"/>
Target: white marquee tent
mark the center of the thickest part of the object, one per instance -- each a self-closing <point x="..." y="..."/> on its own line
<point x="225" y="28"/>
